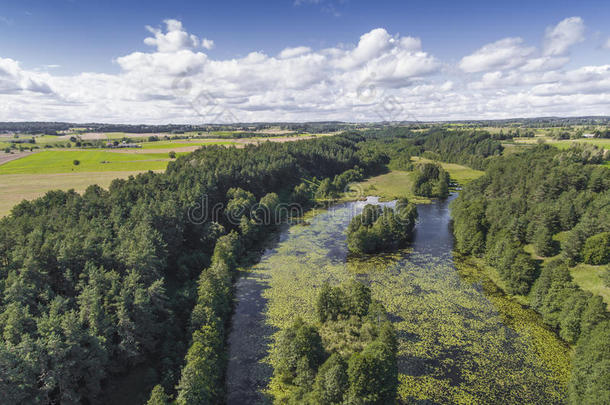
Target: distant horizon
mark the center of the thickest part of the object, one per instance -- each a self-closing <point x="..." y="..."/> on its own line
<point x="604" y="117"/>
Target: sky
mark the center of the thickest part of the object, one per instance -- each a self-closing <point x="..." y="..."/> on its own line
<point x="301" y="60"/>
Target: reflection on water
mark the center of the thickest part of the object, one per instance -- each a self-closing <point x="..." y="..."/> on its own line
<point x="458" y="344"/>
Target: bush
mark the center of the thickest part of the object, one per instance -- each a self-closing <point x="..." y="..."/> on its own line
<point x="431" y="181"/>
<point x="377" y="230"/>
<point x="597" y="249"/>
<point x="348" y="358"/>
<point x="172" y="155"/>
<point x="544" y="244"/>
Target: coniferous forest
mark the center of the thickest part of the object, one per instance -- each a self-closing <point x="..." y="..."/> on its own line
<point x="558" y="204"/>
<point x="138" y="279"/>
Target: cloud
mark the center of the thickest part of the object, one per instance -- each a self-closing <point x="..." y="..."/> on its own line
<point x="294" y="52"/>
<point x="503" y="54"/>
<point x="560" y="38"/>
<point x="326" y="6"/>
<point x="544" y="63"/>
<point x="382" y="76"/>
<point x="13" y="79"/>
<point x="607" y="44"/>
<point x="175" y="38"/>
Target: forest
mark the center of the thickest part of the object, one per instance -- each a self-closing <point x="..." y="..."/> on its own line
<point x="561" y="208"/>
<point x="100" y="285"/>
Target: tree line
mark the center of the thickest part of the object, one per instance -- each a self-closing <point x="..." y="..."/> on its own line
<point x="557" y="203"/>
<point x="94" y="286"/>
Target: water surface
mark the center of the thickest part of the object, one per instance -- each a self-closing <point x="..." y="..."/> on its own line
<point x="460" y="340"/>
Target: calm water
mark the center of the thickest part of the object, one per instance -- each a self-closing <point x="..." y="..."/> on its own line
<point x="460" y="340"/>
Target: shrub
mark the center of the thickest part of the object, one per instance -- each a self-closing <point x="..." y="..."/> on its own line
<point x="597" y="249"/>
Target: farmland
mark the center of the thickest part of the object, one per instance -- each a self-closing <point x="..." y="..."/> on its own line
<point x="52" y="164"/>
<point x="567" y="143"/>
<point x="61" y="161"/>
<point x="16" y="187"/>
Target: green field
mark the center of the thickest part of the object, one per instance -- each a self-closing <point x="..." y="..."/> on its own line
<point x="182" y="144"/>
<point x="31" y="176"/>
<point x="588" y="277"/>
<point x="60" y="161"/>
<point x="17" y="187"/>
<point x="566" y="143"/>
<point x="458" y="173"/>
<point x="390" y="186"/>
<point x="399" y="184"/>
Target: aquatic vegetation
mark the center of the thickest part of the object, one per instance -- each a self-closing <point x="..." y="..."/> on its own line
<point x="458" y="342"/>
<point x="348" y="356"/>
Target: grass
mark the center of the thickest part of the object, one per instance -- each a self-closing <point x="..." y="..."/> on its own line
<point x="48" y="140"/>
<point x="183" y="144"/>
<point x="399" y="184"/>
<point x="599" y="142"/>
<point x="61" y="161"/>
<point x="566" y="143"/>
<point x="588" y="277"/>
<point x="390" y="186"/>
<point x="458" y="173"/>
<point x="17" y="187"/>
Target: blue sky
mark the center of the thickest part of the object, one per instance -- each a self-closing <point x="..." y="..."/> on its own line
<point x="76" y="37"/>
<point x="88" y="35"/>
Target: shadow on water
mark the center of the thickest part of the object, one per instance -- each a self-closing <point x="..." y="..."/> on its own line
<point x="250" y="336"/>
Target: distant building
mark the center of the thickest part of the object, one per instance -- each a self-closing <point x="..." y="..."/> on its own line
<point x="588" y="135"/>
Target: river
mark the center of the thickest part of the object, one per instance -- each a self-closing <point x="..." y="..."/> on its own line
<point x="460" y="339"/>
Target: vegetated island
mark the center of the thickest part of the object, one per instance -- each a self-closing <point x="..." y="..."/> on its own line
<point x="381" y="229"/>
<point x="348" y="356"/>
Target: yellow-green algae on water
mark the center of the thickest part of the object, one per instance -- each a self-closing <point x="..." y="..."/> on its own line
<point x="459" y="342"/>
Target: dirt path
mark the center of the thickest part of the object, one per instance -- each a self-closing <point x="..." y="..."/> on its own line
<point x="7" y="157"/>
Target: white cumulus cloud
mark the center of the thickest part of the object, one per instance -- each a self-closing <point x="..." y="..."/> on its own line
<point x="560" y="38"/>
<point x="381" y="76"/>
<point x="503" y="54"/>
<point x="175" y="38"/>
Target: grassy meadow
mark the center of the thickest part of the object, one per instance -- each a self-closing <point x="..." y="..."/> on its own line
<point x="566" y="143"/>
<point x="15" y="188"/>
<point x="51" y="166"/>
<point x="62" y="161"/>
<point x="459" y="173"/>
<point x="390" y="186"/>
<point x="184" y="143"/>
